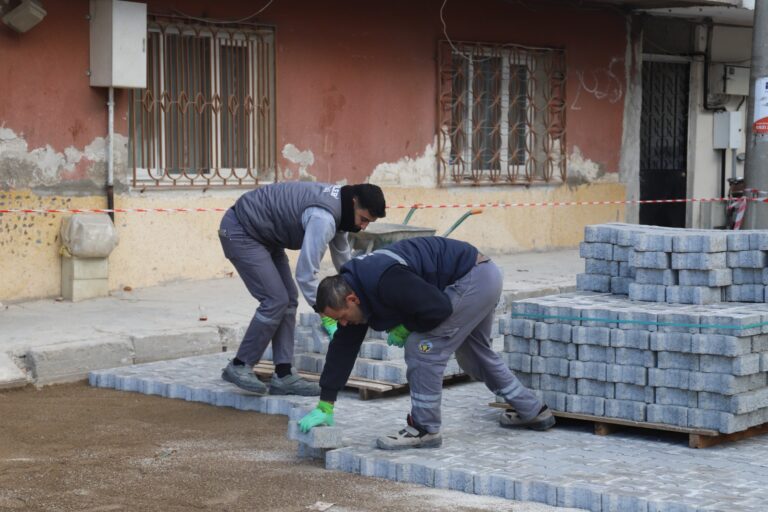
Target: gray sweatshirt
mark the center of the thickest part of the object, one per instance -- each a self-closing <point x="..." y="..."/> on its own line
<point x="319" y="233"/>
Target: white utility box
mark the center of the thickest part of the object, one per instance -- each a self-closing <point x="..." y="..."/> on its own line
<point x="118" y="44"/>
<point x="728" y="130"/>
<point x="736" y="80"/>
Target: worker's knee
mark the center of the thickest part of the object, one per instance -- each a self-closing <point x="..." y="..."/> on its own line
<point x="276" y="306"/>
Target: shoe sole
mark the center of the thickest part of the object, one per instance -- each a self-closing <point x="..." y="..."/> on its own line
<point x="539" y="426"/>
<point x="284" y="392"/>
<point x="260" y="391"/>
<point x="435" y="443"/>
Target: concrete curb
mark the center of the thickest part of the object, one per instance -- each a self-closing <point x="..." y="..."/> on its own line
<point x="71" y="361"/>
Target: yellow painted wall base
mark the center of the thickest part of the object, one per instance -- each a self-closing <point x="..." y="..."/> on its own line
<point x="156" y="248"/>
<point x="512" y="229"/>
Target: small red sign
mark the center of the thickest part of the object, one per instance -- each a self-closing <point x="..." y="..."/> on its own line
<point x="761" y="125"/>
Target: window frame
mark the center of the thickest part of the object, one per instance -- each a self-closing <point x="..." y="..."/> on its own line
<point x="523" y="171"/>
<point x="212" y="173"/>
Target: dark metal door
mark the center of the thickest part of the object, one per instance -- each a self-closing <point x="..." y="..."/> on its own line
<point x="664" y="142"/>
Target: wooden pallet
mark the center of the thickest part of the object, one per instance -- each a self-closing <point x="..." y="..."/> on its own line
<point x="367" y="388"/>
<point x="697" y="437"/>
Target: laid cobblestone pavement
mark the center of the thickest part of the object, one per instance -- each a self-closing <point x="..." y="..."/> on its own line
<point x="566" y="466"/>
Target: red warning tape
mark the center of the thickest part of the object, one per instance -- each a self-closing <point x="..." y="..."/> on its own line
<point x="400" y="206"/>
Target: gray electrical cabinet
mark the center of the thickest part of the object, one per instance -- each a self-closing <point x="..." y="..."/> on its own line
<point x="118" y="44"/>
<point x="728" y="130"/>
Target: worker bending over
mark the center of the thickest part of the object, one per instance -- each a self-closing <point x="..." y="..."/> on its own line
<point x="255" y="233"/>
<point x="435" y="296"/>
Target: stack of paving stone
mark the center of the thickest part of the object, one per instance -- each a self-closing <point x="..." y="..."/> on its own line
<point x="672" y="265"/>
<point x="376" y="361"/>
<point x="694" y="366"/>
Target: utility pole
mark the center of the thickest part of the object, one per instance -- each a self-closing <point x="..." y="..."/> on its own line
<point x="756" y="168"/>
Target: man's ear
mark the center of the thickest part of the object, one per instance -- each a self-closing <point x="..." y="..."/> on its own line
<point x="352" y="298"/>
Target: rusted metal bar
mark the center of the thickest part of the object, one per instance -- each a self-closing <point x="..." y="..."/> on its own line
<point x="206" y="117"/>
<point x="501" y="114"/>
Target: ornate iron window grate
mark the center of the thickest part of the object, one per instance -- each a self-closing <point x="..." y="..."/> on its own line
<point x="501" y="114"/>
<point x="207" y="116"/>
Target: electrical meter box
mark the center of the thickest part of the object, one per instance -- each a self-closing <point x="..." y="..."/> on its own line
<point x="118" y="44"/>
<point x="728" y="130"/>
<point x="735" y="80"/>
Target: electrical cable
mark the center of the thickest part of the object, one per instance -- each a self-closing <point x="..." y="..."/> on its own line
<point x="223" y="22"/>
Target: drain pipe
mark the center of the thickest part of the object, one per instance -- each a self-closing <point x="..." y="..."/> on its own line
<point x="111" y="155"/>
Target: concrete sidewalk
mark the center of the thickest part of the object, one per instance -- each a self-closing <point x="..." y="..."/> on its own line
<point x="47" y="341"/>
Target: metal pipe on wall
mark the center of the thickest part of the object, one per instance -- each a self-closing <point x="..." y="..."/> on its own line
<point x="111" y="154"/>
<point x="756" y="168"/>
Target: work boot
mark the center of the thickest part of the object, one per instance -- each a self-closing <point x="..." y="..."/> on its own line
<point x="293" y="384"/>
<point x="243" y="377"/>
<point x="542" y="421"/>
<point x="412" y="436"/>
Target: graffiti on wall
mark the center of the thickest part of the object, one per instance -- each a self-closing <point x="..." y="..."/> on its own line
<point x="603" y="84"/>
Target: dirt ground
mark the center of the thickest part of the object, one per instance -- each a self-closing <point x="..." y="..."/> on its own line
<point x="76" y="448"/>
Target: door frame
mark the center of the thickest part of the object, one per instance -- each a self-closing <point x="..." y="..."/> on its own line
<point x="693" y="98"/>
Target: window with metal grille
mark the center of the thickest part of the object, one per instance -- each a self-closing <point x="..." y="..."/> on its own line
<point x="207" y="116"/>
<point x="501" y="114"/>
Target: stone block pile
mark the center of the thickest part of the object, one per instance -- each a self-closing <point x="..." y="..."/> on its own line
<point x="693" y="366"/>
<point x="675" y="265"/>
<point x="376" y="361"/>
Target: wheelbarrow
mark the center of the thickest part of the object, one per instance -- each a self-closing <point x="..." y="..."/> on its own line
<point x="379" y="234"/>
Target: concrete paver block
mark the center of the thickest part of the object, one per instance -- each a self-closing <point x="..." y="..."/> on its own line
<point x="677" y="360"/>
<point x="637" y="375"/>
<point x="678" y="397"/>
<point x="694" y="294"/>
<point x="719" y="344"/>
<point x="593" y="282"/>
<point x="596" y="250"/>
<point x="746" y="364"/>
<point x="318" y="437"/>
<point x="747" y="259"/>
<point x="738" y="241"/>
<point x="632" y="339"/>
<point x="647" y="292"/>
<point x="620" y="285"/>
<point x="716" y="277"/>
<point x="665" y="277"/>
<point x="635" y="393"/>
<point x="747" y="276"/>
<point x="699" y="260"/>
<point x="704" y="242"/>
<point x="651" y="259"/>
<point x="745" y="293"/>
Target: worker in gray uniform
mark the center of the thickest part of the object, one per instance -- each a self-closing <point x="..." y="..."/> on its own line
<point x="255" y="233"/>
<point x="435" y="296"/>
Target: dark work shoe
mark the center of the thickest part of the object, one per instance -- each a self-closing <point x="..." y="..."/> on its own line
<point x="543" y="421"/>
<point x="243" y="377"/>
<point x="293" y="384"/>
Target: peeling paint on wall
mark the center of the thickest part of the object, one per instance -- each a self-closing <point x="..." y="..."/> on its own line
<point x="583" y="170"/>
<point x="301" y="158"/>
<point x="409" y="172"/>
<point x="44" y="167"/>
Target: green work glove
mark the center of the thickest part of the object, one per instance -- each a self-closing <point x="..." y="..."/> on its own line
<point x="397" y="336"/>
<point x="320" y="415"/>
<point x="330" y="325"/>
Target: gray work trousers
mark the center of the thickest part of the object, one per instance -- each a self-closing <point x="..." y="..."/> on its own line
<point x="467" y="332"/>
<point x="267" y="275"/>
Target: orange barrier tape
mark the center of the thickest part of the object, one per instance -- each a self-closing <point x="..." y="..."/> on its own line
<point x="400" y="206"/>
